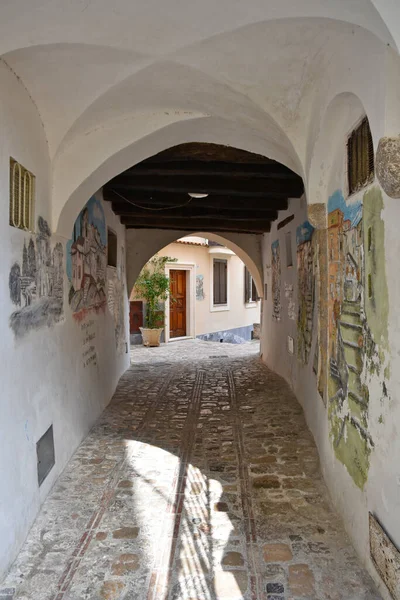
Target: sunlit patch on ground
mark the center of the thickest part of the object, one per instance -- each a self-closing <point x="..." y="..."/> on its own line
<point x="199" y="482"/>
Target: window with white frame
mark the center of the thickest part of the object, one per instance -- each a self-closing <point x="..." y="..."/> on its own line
<point x="220" y="282"/>
<point x="250" y="290"/>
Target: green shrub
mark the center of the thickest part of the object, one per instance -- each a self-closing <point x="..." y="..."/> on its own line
<point x="152" y="286"/>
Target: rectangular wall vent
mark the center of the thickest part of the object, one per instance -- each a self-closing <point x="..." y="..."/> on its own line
<point x="45" y="454"/>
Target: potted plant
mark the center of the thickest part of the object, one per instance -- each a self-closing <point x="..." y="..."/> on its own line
<point x="152" y="286"/>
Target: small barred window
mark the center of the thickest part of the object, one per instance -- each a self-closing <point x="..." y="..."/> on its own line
<point x="289" y="255"/>
<point x="112" y="248"/>
<point x="360" y="157"/>
<point x="22" y="196"/>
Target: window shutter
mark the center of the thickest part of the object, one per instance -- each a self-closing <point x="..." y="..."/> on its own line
<point x="216" y="282"/>
<point x="247" y="290"/>
<point x="360" y="157"/>
<point x="220" y="274"/>
<point x="371" y="164"/>
<point x="224" y="278"/>
<point x="253" y="290"/>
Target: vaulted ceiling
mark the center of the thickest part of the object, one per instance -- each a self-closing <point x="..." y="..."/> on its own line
<point x="116" y="82"/>
<point x="242" y="192"/>
<point x="86" y="62"/>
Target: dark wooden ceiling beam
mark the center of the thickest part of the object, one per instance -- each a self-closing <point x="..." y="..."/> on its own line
<point x="212" y="201"/>
<point x="194" y="228"/>
<point x="195" y="213"/>
<point x="195" y="168"/>
<point x="244" y="191"/>
<point x="224" y="185"/>
<point x="205" y="152"/>
<point x="255" y="225"/>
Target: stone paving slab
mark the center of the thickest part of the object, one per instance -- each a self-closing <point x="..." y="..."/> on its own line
<point x="200" y="481"/>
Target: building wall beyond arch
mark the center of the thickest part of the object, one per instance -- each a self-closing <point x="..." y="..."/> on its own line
<point x="231" y="322"/>
<point x="142" y="244"/>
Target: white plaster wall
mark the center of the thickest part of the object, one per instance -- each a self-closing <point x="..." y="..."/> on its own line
<point x="42" y="377"/>
<point x="383" y="486"/>
<point x="207" y="321"/>
<point x="274" y="339"/>
<point x="381" y="494"/>
<point x="347" y="498"/>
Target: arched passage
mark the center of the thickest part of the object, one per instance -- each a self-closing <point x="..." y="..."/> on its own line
<point x="70" y="196"/>
<point x="199" y="313"/>
<point x="142" y="244"/>
<point x="81" y="85"/>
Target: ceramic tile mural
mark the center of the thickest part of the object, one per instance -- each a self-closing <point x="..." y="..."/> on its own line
<point x="276" y="281"/>
<point x="306" y="291"/>
<point x="357" y="312"/>
<point x="87" y="261"/>
<point x="36" y="284"/>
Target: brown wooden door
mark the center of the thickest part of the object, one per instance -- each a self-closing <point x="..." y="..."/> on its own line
<point x="135" y="316"/>
<point x="177" y="305"/>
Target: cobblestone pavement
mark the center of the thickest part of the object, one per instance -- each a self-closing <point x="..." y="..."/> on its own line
<point x="199" y="482"/>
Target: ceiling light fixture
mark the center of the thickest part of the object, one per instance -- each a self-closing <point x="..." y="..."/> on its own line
<point x="195" y="195"/>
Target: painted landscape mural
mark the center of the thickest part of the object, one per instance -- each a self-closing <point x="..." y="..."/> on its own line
<point x="276" y="281"/>
<point x="306" y="290"/>
<point x="36" y="283"/>
<point x="357" y="311"/>
<point x="87" y="261"/>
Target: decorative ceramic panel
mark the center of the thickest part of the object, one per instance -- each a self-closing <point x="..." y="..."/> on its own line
<point x="385" y="556"/>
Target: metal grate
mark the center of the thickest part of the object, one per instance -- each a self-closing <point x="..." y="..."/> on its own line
<point x="360" y="157"/>
<point x="22" y="195"/>
<point x="45" y="454"/>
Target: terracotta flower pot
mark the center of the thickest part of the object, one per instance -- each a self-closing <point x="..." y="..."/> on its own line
<point x="151" y="337"/>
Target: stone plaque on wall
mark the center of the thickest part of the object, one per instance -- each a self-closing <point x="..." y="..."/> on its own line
<point x="386" y="557"/>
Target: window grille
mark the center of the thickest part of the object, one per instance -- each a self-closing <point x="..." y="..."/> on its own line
<point x="360" y="157"/>
<point x="220" y="275"/>
<point x="22" y="196"/>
